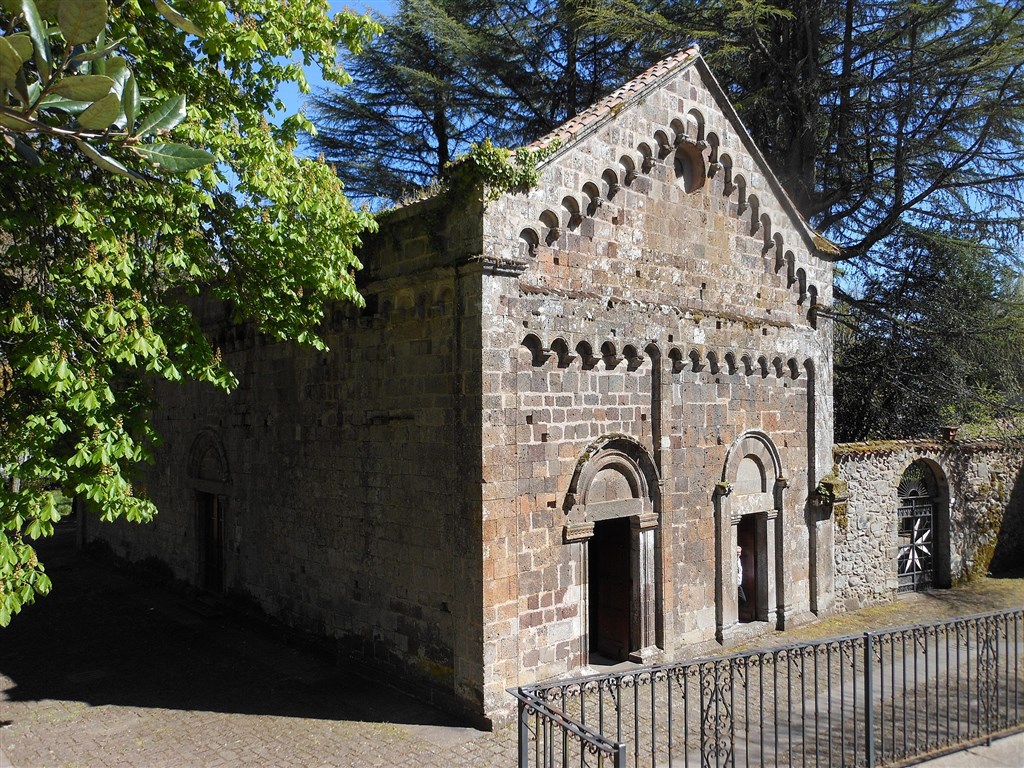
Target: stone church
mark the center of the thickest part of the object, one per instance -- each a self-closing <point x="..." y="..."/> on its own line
<point x="570" y="427"/>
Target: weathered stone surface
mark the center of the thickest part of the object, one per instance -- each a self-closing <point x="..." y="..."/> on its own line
<point x="546" y="435"/>
<point x="979" y="511"/>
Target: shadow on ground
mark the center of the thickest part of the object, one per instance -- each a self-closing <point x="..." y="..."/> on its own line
<point x="104" y="636"/>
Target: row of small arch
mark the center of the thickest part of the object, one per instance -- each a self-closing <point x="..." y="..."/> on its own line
<point x="689" y="142"/>
<point x="694" y="360"/>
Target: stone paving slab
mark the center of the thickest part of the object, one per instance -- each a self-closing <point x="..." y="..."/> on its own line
<point x="111" y="671"/>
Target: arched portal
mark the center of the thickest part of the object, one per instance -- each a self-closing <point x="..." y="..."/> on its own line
<point x="922" y="531"/>
<point x="750" y="586"/>
<point x="611" y="509"/>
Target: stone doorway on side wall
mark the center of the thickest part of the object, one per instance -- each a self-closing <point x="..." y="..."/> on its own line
<point x="611" y="589"/>
<point x="211" y="483"/>
<point x="211" y="527"/>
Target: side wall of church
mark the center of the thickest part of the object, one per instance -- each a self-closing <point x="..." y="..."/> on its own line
<point x="659" y="321"/>
<point x="349" y="479"/>
<point x="980" y="493"/>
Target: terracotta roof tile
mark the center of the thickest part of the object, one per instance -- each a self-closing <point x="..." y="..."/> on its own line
<point x="613" y="101"/>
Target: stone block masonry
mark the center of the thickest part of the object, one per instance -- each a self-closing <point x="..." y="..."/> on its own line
<point x="978" y="502"/>
<point x="569" y="425"/>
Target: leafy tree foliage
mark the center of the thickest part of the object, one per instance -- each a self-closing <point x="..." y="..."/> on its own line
<point x="112" y="215"/>
<point x="446" y="74"/>
<point x="936" y="338"/>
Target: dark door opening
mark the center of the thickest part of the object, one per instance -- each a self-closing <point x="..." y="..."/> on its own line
<point x="748" y="597"/>
<point x="211" y="525"/>
<point x="611" y="589"/>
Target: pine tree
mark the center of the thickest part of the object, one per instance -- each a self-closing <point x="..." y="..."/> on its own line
<point x="449" y="73"/>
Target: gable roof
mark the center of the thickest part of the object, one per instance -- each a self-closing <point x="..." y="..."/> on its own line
<point x="603" y="110"/>
<point x="636" y="90"/>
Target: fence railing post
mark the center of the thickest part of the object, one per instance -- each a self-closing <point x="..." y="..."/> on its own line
<point x="620" y="756"/>
<point x="524" y="734"/>
<point x="869" y="707"/>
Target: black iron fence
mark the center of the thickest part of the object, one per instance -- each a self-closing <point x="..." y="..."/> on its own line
<point x="865" y="700"/>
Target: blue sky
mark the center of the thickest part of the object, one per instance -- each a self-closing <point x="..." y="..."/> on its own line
<point x="290" y="94"/>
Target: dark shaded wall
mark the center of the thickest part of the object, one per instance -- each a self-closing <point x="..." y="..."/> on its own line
<point x="346" y="477"/>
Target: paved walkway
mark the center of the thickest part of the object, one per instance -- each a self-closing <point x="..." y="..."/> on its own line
<point x="112" y="671"/>
<point x="1007" y="752"/>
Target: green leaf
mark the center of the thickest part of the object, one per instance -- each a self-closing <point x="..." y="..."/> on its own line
<point x="163" y="117"/>
<point x="98" y="52"/>
<point x="37" y="31"/>
<point x="175" y="157"/>
<point x="83" y="87"/>
<point x="103" y="161"/>
<point x="177" y="19"/>
<point x="27" y="153"/>
<point x="101" y="114"/>
<point x="22" y="43"/>
<point x="70" y="106"/>
<point x="10" y="64"/>
<point x="130" y="102"/>
<point x="117" y="70"/>
<point x="47" y="9"/>
<point x="35" y="368"/>
<point x="81" y="21"/>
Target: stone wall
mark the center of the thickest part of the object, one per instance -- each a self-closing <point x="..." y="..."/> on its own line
<point x="348" y="479"/>
<point x="979" y="512"/>
<point x="669" y="316"/>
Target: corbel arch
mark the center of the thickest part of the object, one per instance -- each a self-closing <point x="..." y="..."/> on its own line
<point x="593" y="197"/>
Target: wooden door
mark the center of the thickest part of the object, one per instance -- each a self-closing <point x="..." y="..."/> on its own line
<point x="611" y="589"/>
<point x="211" y="523"/>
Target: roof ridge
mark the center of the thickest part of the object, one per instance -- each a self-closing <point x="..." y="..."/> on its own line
<point x="614" y="100"/>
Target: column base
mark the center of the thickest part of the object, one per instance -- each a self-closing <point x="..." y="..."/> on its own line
<point x="649" y="655"/>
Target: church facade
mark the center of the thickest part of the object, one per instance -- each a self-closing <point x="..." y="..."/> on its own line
<point x="574" y="425"/>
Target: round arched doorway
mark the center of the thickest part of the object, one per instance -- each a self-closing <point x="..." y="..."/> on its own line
<point x="918" y="529"/>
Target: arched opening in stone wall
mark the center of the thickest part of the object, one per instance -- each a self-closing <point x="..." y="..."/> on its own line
<point x="922" y="528"/>
<point x="748" y="536"/>
<point x="612" y="509"/>
<point x="211" y="480"/>
<point x="1008" y="553"/>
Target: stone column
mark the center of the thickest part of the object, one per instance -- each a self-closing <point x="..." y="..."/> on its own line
<point x="829" y="501"/>
<point x="726" y="594"/>
<point x="783" y="600"/>
<point x="769" y="531"/>
<point x="644" y="600"/>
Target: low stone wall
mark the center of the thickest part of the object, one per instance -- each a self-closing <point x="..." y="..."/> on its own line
<point x="979" y="512"/>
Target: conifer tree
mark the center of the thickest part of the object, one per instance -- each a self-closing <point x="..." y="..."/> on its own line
<point x="448" y="73"/>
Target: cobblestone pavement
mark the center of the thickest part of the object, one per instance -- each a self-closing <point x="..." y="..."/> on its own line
<point x="111" y="670"/>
